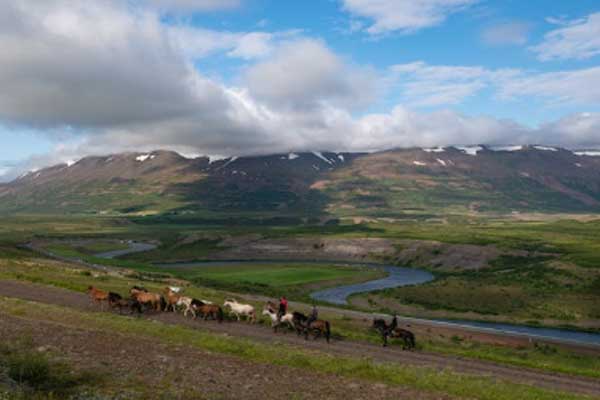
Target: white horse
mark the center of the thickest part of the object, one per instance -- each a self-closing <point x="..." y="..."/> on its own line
<point x="239" y="309"/>
<point x="186" y="302"/>
<point x="288" y="318"/>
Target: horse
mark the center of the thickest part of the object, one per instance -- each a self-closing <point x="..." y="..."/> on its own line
<point x="153" y="300"/>
<point x="275" y="321"/>
<point x="171" y="298"/>
<point x="97" y="295"/>
<point x="239" y="309"/>
<point x="116" y="301"/>
<point x="318" y="327"/>
<point x="210" y="310"/>
<point x="190" y="304"/>
<point x="393" y="331"/>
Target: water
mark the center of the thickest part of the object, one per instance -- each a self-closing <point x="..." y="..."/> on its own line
<point x="397" y="277"/>
<point x="134" y="247"/>
<point x="555" y="334"/>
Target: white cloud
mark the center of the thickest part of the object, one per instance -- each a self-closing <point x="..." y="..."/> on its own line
<point x="424" y="85"/>
<point x="555" y="88"/>
<point x="305" y="73"/>
<point x="198" y="43"/>
<point x="404" y="16"/>
<point x="432" y="85"/>
<point x="193" y="5"/>
<point x="115" y="79"/>
<point x="507" y="33"/>
<point x="578" y="39"/>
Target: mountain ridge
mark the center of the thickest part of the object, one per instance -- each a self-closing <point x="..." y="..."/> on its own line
<point x="463" y="178"/>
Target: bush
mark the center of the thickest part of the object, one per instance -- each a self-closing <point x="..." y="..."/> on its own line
<point x="36" y="375"/>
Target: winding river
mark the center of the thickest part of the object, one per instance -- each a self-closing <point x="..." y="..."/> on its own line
<point x="397" y="277"/>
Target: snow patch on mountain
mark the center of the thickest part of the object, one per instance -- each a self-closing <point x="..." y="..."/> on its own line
<point x="322" y="157"/>
<point x="441" y="161"/>
<point x="590" y="153"/>
<point x="545" y="148"/>
<point x="341" y="157"/>
<point x="435" y="150"/>
<point x="470" y="150"/>
<point x="292" y="156"/>
<point x="145" y="157"/>
<point x="419" y="163"/>
<point x="506" y="148"/>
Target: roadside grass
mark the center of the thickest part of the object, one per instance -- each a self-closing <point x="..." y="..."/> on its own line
<point x="350" y="328"/>
<point x="415" y="377"/>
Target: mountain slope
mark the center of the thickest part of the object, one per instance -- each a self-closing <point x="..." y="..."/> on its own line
<point x="388" y="183"/>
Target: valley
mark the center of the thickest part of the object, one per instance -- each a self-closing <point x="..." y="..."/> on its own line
<point x="198" y="225"/>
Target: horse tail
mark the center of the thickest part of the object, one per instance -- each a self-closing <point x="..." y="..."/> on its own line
<point x="219" y="314"/>
<point x="327" y="331"/>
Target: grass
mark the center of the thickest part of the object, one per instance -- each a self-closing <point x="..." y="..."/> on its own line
<point x="517" y="289"/>
<point x="419" y="378"/>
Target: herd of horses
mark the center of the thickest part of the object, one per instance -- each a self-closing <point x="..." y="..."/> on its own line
<point x="141" y="300"/>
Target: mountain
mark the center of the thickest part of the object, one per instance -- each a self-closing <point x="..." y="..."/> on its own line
<point x="387" y="183"/>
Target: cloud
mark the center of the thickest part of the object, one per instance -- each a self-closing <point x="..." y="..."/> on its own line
<point x="306" y="74"/>
<point x="404" y="16"/>
<point x="193" y="5"/>
<point x="423" y="85"/>
<point x="109" y="77"/>
<point x="507" y="33"/>
<point x="577" y="87"/>
<point x="577" y="39"/>
<point x="197" y="43"/>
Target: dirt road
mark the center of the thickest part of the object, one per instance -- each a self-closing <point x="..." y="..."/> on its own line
<point x="260" y="333"/>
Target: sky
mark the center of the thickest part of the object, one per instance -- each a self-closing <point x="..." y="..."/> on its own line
<point x="245" y="77"/>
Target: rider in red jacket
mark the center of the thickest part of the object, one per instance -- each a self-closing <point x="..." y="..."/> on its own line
<point x="283" y="305"/>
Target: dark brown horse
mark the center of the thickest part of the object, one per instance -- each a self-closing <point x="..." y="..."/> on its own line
<point x="116" y="301"/>
<point x="394" y="332"/>
<point x="317" y="328"/>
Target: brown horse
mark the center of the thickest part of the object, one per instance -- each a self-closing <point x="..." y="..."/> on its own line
<point x="210" y="310"/>
<point x="97" y="295"/>
<point x="147" y="298"/>
<point x="317" y="328"/>
<point x="394" y="332"/>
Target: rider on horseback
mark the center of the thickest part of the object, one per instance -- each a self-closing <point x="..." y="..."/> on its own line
<point x="314" y="315"/>
<point x="283" y="305"/>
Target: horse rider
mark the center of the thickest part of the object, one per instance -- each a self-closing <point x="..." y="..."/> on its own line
<point x="314" y="315"/>
<point x="283" y="305"/>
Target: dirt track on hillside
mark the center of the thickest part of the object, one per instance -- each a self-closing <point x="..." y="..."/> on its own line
<point x="260" y="333"/>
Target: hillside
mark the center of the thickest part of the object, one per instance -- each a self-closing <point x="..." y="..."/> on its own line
<point x="388" y="183"/>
